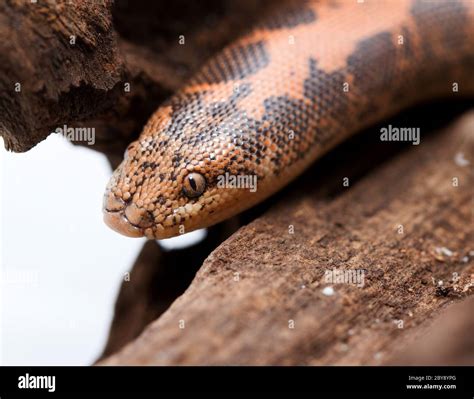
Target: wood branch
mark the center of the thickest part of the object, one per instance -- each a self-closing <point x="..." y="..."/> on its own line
<point x="155" y="281"/>
<point x="106" y="65"/>
<point x="56" y="66"/>
<point x="449" y="340"/>
<point x="262" y="297"/>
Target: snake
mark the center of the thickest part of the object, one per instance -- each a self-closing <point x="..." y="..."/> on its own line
<point x="306" y="76"/>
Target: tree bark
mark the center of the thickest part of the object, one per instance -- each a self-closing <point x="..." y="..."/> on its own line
<point x="449" y="340"/>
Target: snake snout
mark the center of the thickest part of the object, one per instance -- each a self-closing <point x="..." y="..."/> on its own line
<point x="124" y="219"/>
<point x="138" y="216"/>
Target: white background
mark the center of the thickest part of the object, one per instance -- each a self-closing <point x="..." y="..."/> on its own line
<point x="61" y="266"/>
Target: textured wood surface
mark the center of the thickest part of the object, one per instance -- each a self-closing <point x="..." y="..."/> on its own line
<point x="449" y="340"/>
<point x="59" y="81"/>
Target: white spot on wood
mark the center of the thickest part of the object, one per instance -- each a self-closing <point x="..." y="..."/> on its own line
<point x="444" y="251"/>
<point x="328" y="291"/>
<point x="460" y="160"/>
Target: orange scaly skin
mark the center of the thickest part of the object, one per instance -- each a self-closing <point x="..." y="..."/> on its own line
<point x="305" y="78"/>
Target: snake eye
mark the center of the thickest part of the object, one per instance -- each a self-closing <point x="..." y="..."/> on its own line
<point x="194" y="185"/>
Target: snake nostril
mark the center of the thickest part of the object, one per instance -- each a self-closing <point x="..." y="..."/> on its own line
<point x="112" y="203"/>
<point x="138" y="216"/>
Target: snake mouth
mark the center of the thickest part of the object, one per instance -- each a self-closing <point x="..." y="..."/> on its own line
<point x="116" y="218"/>
<point x="131" y="221"/>
<point x="118" y="222"/>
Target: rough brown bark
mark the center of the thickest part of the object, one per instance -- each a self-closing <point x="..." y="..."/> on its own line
<point x="449" y="340"/>
<point x="155" y="281"/>
<point x="60" y="82"/>
<point x="281" y="275"/>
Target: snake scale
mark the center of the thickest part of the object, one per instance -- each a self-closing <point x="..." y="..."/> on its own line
<point x="303" y="79"/>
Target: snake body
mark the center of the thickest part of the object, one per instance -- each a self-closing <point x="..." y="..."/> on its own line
<point x="306" y="77"/>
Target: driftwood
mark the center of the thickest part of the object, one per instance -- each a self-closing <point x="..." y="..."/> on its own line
<point x="155" y="281"/>
<point x="261" y="297"/>
<point x="56" y="64"/>
<point x="403" y="222"/>
<point x="447" y="341"/>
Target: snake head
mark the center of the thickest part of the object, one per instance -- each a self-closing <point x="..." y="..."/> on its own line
<point x="169" y="184"/>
